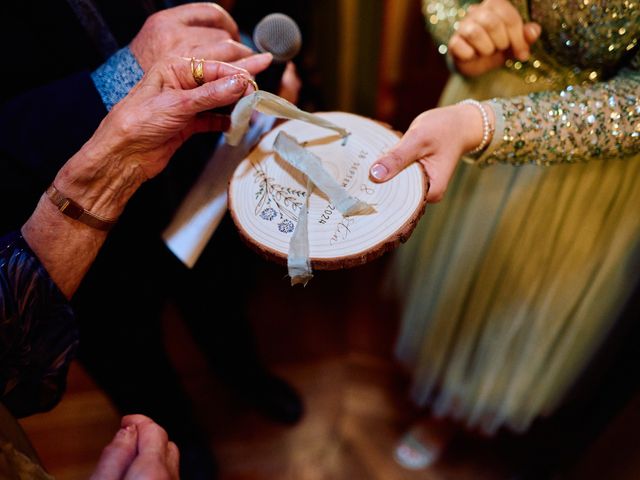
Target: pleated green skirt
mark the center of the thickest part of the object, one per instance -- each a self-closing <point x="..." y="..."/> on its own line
<point x="511" y="283"/>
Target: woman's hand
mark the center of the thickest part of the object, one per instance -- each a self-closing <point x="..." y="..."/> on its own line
<point x="488" y="35"/>
<point x="140" y="450"/>
<point x="133" y="143"/>
<point x="437" y="139"/>
<point x="137" y="138"/>
<point x="166" y="108"/>
<point x="201" y="29"/>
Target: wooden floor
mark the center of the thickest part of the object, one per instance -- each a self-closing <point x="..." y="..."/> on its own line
<point x="334" y="345"/>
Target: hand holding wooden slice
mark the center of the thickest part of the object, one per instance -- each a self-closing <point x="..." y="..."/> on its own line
<point x="266" y="195"/>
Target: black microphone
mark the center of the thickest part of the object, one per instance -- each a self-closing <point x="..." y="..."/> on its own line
<point x="279" y="35"/>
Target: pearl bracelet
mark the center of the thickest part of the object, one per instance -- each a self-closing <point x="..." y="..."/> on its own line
<point x="487" y="128"/>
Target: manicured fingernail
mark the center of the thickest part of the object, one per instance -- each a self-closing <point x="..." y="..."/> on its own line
<point x="412" y="454"/>
<point x="379" y="171"/>
<point x="237" y="82"/>
<point x="534" y="29"/>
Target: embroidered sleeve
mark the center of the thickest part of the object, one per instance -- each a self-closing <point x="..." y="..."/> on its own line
<point x="588" y="122"/>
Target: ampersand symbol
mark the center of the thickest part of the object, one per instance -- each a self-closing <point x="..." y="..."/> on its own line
<point x="366" y="189"/>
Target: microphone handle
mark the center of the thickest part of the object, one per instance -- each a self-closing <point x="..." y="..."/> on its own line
<point x="270" y="78"/>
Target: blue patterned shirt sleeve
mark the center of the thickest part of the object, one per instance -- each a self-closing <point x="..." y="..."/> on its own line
<point x="115" y="77"/>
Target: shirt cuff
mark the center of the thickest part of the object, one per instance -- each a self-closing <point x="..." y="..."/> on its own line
<point x="115" y="77"/>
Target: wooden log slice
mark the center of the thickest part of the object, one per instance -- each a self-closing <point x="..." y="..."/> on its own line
<point x="266" y="195"/>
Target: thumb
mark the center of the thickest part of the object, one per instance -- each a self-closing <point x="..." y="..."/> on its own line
<point x="404" y="153"/>
<point x="118" y="455"/>
<point x="532" y="32"/>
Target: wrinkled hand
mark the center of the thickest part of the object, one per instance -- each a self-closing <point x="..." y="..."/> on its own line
<point x="488" y="35"/>
<point x="437" y="139"/>
<point x="200" y="30"/>
<point x="139" y="450"/>
<point x="165" y="108"/>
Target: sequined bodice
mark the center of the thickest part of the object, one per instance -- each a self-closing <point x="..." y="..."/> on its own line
<point x="581" y="40"/>
<point x="588" y="33"/>
<point x="584" y="71"/>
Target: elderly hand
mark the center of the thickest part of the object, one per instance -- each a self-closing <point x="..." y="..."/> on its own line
<point x="139" y="450"/>
<point x="137" y="138"/>
<point x="201" y="30"/>
<point x="437" y="139"/>
<point x="488" y="35"/>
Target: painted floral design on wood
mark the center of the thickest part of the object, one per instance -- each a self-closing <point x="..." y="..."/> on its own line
<point x="277" y="202"/>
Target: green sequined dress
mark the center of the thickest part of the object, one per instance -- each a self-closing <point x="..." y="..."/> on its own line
<point x="513" y="281"/>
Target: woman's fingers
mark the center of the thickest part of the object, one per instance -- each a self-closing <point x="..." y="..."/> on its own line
<point x="134" y="419"/>
<point x="476" y="36"/>
<point x="439" y="172"/>
<point x="477" y="66"/>
<point x="152" y="440"/>
<point x="205" y="14"/>
<point x="532" y="31"/>
<point x="188" y="70"/>
<point x="173" y="460"/>
<point x="193" y="72"/>
<point x="409" y="149"/>
<point x="494" y="26"/>
<point x="203" y="36"/>
<point x="437" y="139"/>
<point x="255" y="63"/>
<point x="156" y="456"/>
<point x="209" y="122"/>
<point x="218" y="93"/>
<point x="460" y="49"/>
<point x="513" y="22"/>
<point x="226" y="50"/>
<point x="118" y="455"/>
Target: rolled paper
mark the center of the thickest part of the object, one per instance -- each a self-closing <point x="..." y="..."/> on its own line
<point x="271" y="104"/>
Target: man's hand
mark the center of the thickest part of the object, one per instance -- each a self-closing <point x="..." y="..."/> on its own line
<point x="488" y="35"/>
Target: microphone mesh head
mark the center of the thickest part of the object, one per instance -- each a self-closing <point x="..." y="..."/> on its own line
<point x="279" y="35"/>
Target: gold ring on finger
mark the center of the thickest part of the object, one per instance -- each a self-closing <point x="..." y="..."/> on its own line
<point x="197" y="70"/>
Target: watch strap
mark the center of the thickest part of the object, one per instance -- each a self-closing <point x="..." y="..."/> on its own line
<point x="71" y="209"/>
